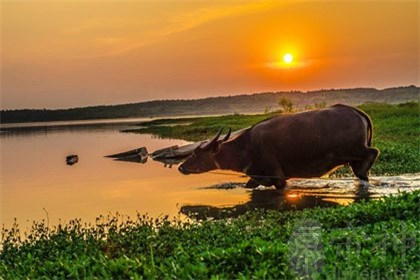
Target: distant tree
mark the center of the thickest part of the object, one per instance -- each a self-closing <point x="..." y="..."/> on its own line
<point x="286" y="104"/>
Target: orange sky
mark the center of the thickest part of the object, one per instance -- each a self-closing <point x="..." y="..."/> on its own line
<point x="61" y="54"/>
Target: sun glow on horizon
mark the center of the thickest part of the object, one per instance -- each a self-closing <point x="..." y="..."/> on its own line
<point x="288" y="58"/>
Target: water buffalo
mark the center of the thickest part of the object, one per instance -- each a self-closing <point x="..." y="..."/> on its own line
<point x="302" y="145"/>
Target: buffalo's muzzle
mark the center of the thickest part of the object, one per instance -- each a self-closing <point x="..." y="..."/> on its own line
<point x="183" y="170"/>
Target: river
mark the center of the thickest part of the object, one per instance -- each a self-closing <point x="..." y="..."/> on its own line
<point x="36" y="182"/>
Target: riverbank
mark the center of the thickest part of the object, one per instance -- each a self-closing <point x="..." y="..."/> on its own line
<point x="377" y="239"/>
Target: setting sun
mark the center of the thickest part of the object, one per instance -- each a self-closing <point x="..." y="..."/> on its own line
<point x="288" y="58"/>
<point x="241" y="47"/>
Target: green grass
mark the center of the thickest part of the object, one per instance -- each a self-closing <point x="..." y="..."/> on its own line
<point x="377" y="239"/>
<point x="200" y="128"/>
<point x="397" y="136"/>
<point x="396" y="133"/>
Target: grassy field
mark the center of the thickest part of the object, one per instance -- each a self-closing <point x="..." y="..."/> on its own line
<point x="396" y="133"/>
<point x="367" y="240"/>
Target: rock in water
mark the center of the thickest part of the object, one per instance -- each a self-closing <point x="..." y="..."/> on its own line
<point x="72" y="159"/>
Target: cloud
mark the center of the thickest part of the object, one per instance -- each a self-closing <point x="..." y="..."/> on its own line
<point x="138" y="31"/>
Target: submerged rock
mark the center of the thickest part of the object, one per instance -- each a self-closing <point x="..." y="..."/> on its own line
<point x="72" y="159"/>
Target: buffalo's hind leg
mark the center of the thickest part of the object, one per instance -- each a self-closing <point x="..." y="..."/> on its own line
<point x="280" y="184"/>
<point x="264" y="181"/>
<point x="361" y="167"/>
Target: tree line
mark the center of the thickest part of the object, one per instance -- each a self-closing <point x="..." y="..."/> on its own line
<point x="253" y="103"/>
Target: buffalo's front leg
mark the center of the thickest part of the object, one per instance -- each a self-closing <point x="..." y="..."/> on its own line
<point x="257" y="181"/>
<point x="252" y="184"/>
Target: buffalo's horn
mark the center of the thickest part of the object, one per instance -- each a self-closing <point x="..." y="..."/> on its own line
<point x="227" y="135"/>
<point x="212" y="141"/>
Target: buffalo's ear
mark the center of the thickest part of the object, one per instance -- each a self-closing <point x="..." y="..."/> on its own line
<point x="204" y="146"/>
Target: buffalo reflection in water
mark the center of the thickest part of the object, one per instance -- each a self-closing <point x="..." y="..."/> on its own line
<point x="259" y="199"/>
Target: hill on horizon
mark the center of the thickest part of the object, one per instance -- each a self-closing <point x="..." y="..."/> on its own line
<point x="242" y="104"/>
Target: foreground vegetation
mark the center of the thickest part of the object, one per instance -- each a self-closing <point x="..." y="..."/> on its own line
<point x="396" y="133"/>
<point x="375" y="240"/>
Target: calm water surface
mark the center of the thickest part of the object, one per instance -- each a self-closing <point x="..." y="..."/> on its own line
<point x="34" y="176"/>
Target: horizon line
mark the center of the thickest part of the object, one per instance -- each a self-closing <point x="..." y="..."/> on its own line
<point x="213" y="97"/>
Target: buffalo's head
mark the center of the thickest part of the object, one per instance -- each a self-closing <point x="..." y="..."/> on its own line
<point x="203" y="157"/>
